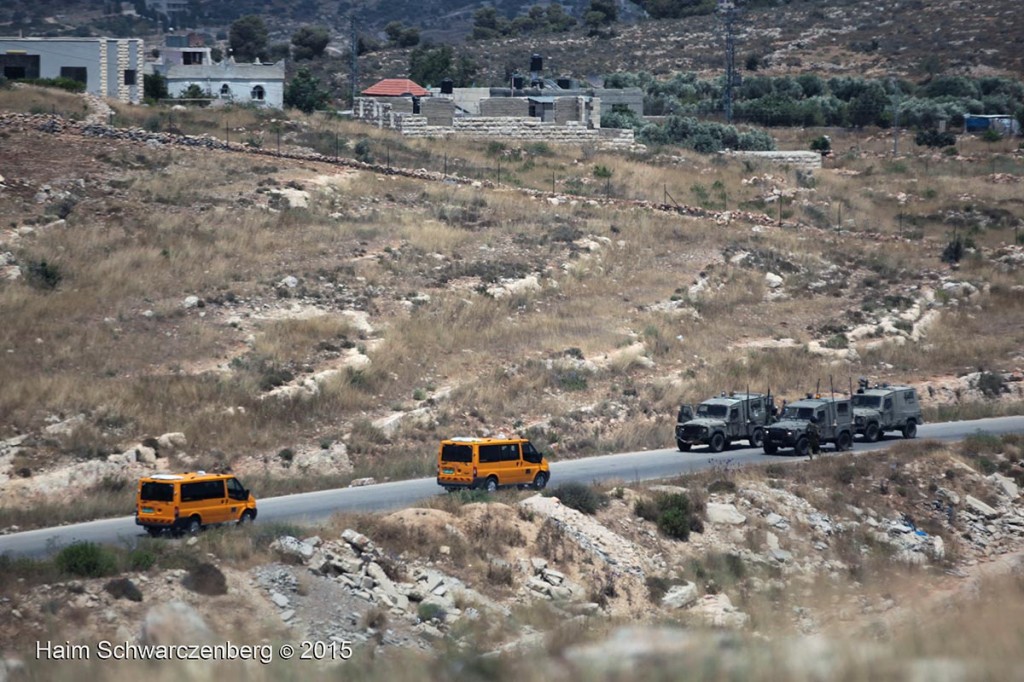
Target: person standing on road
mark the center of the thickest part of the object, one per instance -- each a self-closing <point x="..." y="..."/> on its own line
<point x="813" y="438"/>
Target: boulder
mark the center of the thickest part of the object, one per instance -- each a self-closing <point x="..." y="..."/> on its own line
<point x="293" y="547"/>
<point x="1006" y="485"/>
<point x="356" y="539"/>
<point x="172" y="442"/>
<point x="980" y="507"/>
<point x="725" y="514"/>
<point x="680" y="596"/>
<point x="174" y="622"/>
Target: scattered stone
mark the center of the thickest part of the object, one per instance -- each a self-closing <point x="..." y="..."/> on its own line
<point x="725" y="514"/>
<point x="980" y="507"/>
<point x="680" y="596"/>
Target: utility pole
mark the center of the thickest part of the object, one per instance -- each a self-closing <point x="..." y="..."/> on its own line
<point x="355" y="59"/>
<point x="895" y="118"/>
<point x="728" y="11"/>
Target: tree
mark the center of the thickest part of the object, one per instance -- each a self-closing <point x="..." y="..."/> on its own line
<point x="154" y="86"/>
<point x="305" y="93"/>
<point x="487" y="23"/>
<point x="600" y="13"/>
<point x="248" y="38"/>
<point x="309" y="42"/>
<point x="933" y="138"/>
<point x="401" y="35"/>
<point x="867" y="107"/>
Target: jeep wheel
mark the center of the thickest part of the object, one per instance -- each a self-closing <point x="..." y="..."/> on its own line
<point x="757" y="438"/>
<point x="910" y="429"/>
<point x="843" y="441"/>
<point x="492" y="484"/>
<point x="770" y="448"/>
<point x="540" y="481"/>
<point x="872" y="433"/>
<point x="683" y="447"/>
<point x="802" y="447"/>
<point x="717" y="443"/>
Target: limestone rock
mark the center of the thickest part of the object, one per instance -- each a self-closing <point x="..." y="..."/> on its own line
<point x="680" y="596"/>
<point x="725" y="514"/>
<point x="174" y="623"/>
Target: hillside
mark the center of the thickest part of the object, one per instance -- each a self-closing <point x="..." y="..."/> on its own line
<point x="306" y="322"/>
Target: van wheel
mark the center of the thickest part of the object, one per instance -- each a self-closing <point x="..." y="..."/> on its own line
<point x="802" y="447"/>
<point x="194" y="525"/>
<point x="910" y="430"/>
<point x="717" y="443"/>
<point x="872" y="433"/>
<point x="756" y="438"/>
<point x="844" y="441"/>
<point x="492" y="484"/>
<point x="683" y="447"/>
<point x="246" y="518"/>
<point x="540" y="481"/>
<point x="154" y="532"/>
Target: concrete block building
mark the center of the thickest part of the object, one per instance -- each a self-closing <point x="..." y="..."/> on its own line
<point x="109" y="67"/>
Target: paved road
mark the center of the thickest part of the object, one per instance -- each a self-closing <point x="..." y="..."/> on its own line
<point x="626" y="467"/>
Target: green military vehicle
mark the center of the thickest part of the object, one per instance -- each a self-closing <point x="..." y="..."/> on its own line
<point x="718" y="422"/>
<point x="833" y="418"/>
<point x="881" y="408"/>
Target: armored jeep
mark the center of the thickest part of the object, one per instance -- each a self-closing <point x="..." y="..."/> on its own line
<point x="884" y="408"/>
<point x="717" y="422"/>
<point x="833" y="417"/>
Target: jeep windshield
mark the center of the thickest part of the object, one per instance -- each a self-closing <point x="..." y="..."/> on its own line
<point x="793" y="412"/>
<point x="457" y="453"/>
<point x="157" y="492"/>
<point x="874" y="401"/>
<point x="714" y="411"/>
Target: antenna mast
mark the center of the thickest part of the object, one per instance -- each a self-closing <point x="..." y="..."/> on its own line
<point x="355" y="58"/>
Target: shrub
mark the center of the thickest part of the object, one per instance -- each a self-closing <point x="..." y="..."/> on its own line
<point x="675" y="523"/>
<point x="580" y="497"/>
<point x="934" y="138"/>
<point x="428" y="611"/>
<point x="362" y="151"/>
<point x="86" y="560"/>
<point x="821" y="144"/>
<point x="675" y="515"/>
<point x="991" y="384"/>
<point x="953" y="251"/>
<point x="43" y="275"/>
<point x="141" y="560"/>
<point x="647" y="509"/>
<point x="205" y="578"/>
<point x="123" y="588"/>
<point x="721" y="485"/>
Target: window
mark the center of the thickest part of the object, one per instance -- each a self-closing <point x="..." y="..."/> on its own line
<point x="457" y="453"/>
<point x="842" y="408"/>
<point x="734" y="414"/>
<point x="258" y="93"/>
<point x="871" y="401"/>
<point x="530" y="454"/>
<point x="888" y="404"/>
<point x="225" y="90"/>
<point x="157" y="492"/>
<point x="510" y="452"/>
<point x="190" y="58"/>
<point x="717" y="411"/>
<point x="820" y="416"/>
<point x="236" y="491"/>
<point x="202" y="490"/>
<point x="129" y="76"/>
<point x="909" y="397"/>
<point x="490" y="453"/>
<point x="75" y="73"/>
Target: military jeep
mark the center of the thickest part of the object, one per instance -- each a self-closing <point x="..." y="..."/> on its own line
<point x="832" y="416"/>
<point x="718" y="422"/>
<point x="885" y="408"/>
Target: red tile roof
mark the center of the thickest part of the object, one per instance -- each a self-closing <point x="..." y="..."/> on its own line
<point x="395" y="87"/>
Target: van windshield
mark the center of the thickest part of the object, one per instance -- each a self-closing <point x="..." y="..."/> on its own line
<point x="457" y="453"/>
<point x="157" y="492"/>
<point x="718" y="411"/>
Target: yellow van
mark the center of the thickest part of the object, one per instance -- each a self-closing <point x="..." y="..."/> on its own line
<point x="187" y="502"/>
<point x="490" y="463"/>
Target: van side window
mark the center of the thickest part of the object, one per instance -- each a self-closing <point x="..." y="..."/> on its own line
<point x="510" y="452"/>
<point x="530" y="454"/>
<point x="202" y="490"/>
<point x="490" y="453"/>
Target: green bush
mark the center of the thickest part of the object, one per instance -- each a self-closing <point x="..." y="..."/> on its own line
<point x="580" y="497"/>
<point x="429" y="611"/>
<point x="675" y="523"/>
<point x="43" y="275"/>
<point x="934" y="138"/>
<point x="647" y="509"/>
<point x="675" y="515"/>
<point x="86" y="560"/>
<point x="61" y="83"/>
<point x="141" y="560"/>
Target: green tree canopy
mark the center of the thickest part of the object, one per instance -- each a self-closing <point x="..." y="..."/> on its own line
<point x="304" y="92"/>
<point x="309" y="42"/>
<point x="429" y="65"/>
<point x="248" y="38"/>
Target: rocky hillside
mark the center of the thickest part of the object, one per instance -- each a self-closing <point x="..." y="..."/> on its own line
<point x="183" y="301"/>
<point x="855" y="556"/>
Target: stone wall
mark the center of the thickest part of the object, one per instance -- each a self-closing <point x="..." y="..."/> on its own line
<point x="519" y="128"/>
<point x="797" y="159"/>
<point x="438" y="111"/>
<point x="504" y="106"/>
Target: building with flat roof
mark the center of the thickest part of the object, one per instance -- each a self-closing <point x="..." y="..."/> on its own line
<point x="109" y="67"/>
